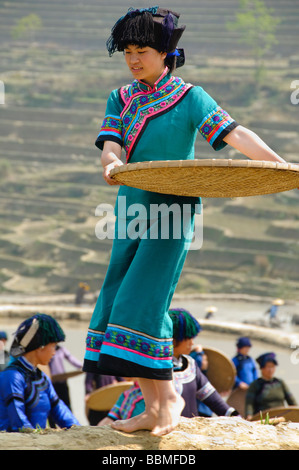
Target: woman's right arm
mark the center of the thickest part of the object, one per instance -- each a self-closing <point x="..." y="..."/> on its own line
<point x="110" y="159"/>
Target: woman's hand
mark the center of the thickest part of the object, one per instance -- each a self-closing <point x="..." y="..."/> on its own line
<point x="110" y="159"/>
<point x="108" y="168"/>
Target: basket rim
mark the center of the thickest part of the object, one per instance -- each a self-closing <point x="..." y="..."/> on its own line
<point x="209" y="177"/>
<point x="225" y="163"/>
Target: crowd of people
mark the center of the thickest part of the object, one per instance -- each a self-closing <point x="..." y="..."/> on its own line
<point x="29" y="399"/>
<point x="263" y="391"/>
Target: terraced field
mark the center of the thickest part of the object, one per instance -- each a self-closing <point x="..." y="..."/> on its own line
<point x="56" y="86"/>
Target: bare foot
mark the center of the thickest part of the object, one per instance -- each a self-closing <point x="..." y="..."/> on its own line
<point x="169" y="417"/>
<point x="144" y="421"/>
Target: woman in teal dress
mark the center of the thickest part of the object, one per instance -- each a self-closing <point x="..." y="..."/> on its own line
<point x="157" y="117"/>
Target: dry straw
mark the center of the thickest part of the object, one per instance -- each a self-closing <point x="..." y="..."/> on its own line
<point x="209" y="177"/>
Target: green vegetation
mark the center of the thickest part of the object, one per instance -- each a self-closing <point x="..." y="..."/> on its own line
<point x="27" y="27"/>
<point x="257" y="26"/>
<point x="50" y="177"/>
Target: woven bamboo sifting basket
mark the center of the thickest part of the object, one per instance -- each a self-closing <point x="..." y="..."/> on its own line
<point x="209" y="177"/>
<point x="221" y="371"/>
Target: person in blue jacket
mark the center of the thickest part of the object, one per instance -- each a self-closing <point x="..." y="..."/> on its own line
<point x="27" y="396"/>
<point x="245" y="365"/>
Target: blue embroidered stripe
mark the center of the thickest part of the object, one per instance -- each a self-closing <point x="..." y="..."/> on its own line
<point x="214" y="123"/>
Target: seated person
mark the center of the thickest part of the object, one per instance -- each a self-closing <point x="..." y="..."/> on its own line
<point x="267" y="391"/>
<point x="129" y="404"/>
<point x="189" y="381"/>
<point x="4" y="355"/>
<point x="201" y="359"/>
<point x="245" y="365"/>
<point x="27" y="396"/>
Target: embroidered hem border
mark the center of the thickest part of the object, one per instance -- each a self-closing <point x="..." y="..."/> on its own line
<point x="128" y="345"/>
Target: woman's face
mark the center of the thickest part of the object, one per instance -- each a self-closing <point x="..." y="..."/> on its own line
<point x="183" y="347"/>
<point x="46" y="353"/>
<point x="268" y="370"/>
<point x="145" y="63"/>
<point x="244" y="350"/>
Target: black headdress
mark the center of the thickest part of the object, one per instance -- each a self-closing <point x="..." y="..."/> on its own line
<point x="266" y="357"/>
<point x="154" y="27"/>
<point x="36" y="331"/>
<point x="185" y="326"/>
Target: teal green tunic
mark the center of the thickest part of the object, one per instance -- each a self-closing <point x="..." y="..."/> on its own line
<point x="130" y="331"/>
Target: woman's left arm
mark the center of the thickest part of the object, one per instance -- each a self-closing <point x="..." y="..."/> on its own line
<point x="60" y="412"/>
<point x="251" y="145"/>
<point x="290" y="399"/>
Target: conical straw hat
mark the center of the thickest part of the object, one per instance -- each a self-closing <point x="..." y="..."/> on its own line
<point x="209" y="177"/>
<point x="237" y="400"/>
<point x="221" y="370"/>
<point x="290" y="413"/>
<point x="105" y="397"/>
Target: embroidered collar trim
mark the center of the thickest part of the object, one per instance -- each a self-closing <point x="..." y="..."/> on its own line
<point x="140" y="107"/>
<point x="158" y="83"/>
<point x="27" y="364"/>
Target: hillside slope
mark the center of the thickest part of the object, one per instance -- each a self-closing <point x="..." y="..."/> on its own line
<point x="56" y="86"/>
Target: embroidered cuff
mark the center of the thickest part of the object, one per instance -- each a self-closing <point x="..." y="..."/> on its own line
<point x="215" y="126"/>
<point x="205" y="391"/>
<point x="111" y="130"/>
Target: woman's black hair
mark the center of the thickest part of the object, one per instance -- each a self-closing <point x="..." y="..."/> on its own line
<point x="153" y="27"/>
<point x="137" y="30"/>
<point x="170" y="62"/>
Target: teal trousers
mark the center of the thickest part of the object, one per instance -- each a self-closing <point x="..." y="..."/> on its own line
<point x="130" y="332"/>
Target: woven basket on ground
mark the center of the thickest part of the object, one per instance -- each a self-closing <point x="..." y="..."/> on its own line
<point x="105" y="397"/>
<point x="209" y="177"/>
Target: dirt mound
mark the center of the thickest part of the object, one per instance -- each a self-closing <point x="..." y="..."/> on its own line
<point x="219" y="433"/>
